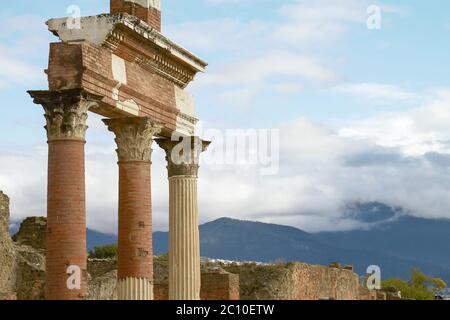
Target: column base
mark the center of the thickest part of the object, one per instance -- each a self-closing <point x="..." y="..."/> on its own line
<point x="134" y="289"/>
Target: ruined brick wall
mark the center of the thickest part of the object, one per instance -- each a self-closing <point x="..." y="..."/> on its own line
<point x="215" y="286"/>
<point x="219" y="286"/>
<point x="295" y="281"/>
<point x="32" y="232"/>
<point x="22" y="269"/>
<point x="102" y="283"/>
<point x="30" y="273"/>
<point x="161" y="291"/>
<point x="312" y="282"/>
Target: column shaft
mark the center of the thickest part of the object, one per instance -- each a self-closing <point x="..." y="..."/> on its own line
<point x="135" y="263"/>
<point x="184" y="241"/>
<point x="134" y="137"/>
<point x="184" y="247"/>
<point x="66" y="219"/>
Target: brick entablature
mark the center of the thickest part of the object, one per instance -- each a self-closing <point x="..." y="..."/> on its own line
<point x="87" y="66"/>
<point x="136" y="70"/>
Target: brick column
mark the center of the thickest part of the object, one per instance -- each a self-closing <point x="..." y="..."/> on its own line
<point x="146" y="10"/>
<point x="134" y="137"/>
<point x="184" y="241"/>
<point x="66" y="114"/>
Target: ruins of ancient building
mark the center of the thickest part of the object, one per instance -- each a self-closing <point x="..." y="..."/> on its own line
<point x="22" y="275"/>
<point x="121" y="66"/>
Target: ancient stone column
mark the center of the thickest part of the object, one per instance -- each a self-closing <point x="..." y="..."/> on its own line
<point x="184" y="241"/>
<point x="66" y="114"/>
<point x="134" y="137"/>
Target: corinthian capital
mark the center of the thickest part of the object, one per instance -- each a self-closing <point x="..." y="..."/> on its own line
<point x="134" y="137"/>
<point x="183" y="155"/>
<point x="65" y="112"/>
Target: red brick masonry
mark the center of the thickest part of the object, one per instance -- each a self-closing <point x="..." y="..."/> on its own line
<point x="215" y="286"/>
<point x="88" y="66"/>
<point x="150" y="15"/>
<point x="135" y="222"/>
<point x="66" y="218"/>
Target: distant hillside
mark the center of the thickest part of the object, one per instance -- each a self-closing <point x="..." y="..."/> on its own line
<point x="95" y="238"/>
<point x="395" y="251"/>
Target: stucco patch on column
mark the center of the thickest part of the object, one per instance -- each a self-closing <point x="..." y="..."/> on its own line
<point x="186" y="119"/>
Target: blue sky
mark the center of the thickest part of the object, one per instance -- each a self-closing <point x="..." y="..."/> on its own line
<point x="336" y="90"/>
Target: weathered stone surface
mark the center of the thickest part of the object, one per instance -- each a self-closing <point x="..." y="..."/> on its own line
<point x="4" y="215"/>
<point x="30" y="271"/>
<point x="32" y="233"/>
<point x="65" y="112"/>
<point x="295" y="281"/>
<point x="134" y="137"/>
<point x="102" y="279"/>
<point x="7" y="252"/>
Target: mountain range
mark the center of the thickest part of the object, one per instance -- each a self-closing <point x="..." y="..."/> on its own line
<point x="394" y="241"/>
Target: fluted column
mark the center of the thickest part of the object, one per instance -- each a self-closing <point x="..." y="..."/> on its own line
<point x="66" y="114"/>
<point x="134" y="137"/>
<point x="184" y="241"/>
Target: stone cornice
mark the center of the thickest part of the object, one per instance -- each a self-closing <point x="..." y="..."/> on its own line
<point x="65" y="112"/>
<point x="183" y="155"/>
<point x="134" y="137"/>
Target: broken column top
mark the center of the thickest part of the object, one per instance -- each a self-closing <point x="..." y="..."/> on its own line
<point x="146" y="10"/>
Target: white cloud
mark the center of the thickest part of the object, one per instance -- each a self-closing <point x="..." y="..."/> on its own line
<point x="15" y="71"/>
<point x="288" y="87"/>
<point x="264" y="68"/>
<point x="17" y="52"/>
<point x="376" y="92"/>
<point x="415" y="132"/>
<point x="254" y="56"/>
<point x="301" y="23"/>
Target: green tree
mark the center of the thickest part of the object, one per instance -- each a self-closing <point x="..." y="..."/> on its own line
<point x="419" y="287"/>
<point x="104" y="252"/>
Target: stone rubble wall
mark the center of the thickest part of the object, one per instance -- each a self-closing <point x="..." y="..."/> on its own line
<point x="32" y="232"/>
<point x="295" y="281"/>
<point x="7" y="252"/>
